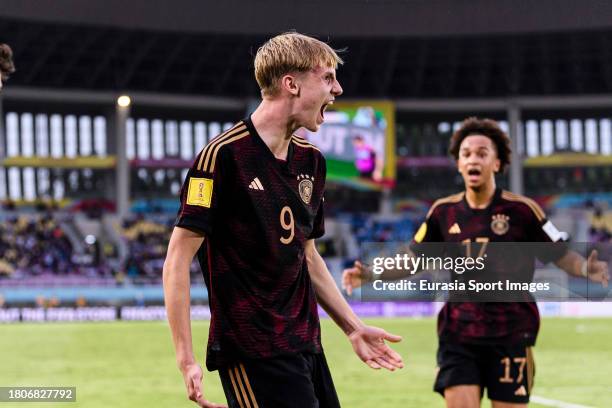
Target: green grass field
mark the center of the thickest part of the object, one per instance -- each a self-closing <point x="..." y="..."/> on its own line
<point x="132" y="364"/>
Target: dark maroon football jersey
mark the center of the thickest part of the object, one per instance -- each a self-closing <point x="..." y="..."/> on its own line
<point x="256" y="213"/>
<point x="509" y="218"/>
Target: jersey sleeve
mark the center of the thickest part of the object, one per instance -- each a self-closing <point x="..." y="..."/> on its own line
<point x="318" y="229"/>
<point x="553" y="241"/>
<point x="200" y="195"/>
<point x="428" y="232"/>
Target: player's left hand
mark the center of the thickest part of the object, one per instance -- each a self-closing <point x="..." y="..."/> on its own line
<point x="369" y="344"/>
<point x="597" y="270"/>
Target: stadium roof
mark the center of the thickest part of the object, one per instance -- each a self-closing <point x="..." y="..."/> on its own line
<point x="356" y="18"/>
<point x="396" y="48"/>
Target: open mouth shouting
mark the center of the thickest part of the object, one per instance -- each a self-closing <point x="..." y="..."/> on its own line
<point x="474" y="174"/>
<point x="324" y="108"/>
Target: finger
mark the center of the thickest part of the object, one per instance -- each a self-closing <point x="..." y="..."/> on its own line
<point x="208" y="404"/>
<point x="384" y="363"/>
<point x="592" y="257"/>
<point x="394" y="356"/>
<point x="391" y="356"/>
<point x="197" y="388"/>
<point x="190" y="391"/>
<point x="347" y="284"/>
<point x="351" y="274"/>
<point x="373" y="364"/>
<point x="189" y="386"/>
<point x="358" y="265"/>
<point x="393" y="338"/>
<point x="346" y="279"/>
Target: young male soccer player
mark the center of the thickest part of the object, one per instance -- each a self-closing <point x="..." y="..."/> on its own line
<point x="7" y="66"/>
<point x="488" y="345"/>
<point x="251" y="208"/>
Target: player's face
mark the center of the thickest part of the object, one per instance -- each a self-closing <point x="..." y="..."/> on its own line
<point x="319" y="88"/>
<point x="477" y="161"/>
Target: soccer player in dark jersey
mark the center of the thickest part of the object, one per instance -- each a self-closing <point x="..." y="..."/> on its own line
<point x="7" y="67"/>
<point x="488" y="344"/>
<point x="251" y="208"/>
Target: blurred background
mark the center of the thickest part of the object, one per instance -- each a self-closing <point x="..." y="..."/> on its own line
<point x="112" y="100"/>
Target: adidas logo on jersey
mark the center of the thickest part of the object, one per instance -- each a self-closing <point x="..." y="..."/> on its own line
<point x="454" y="229"/>
<point x="256" y="184"/>
<point x="521" y="392"/>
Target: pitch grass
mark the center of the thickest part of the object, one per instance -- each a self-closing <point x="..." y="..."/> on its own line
<point x="124" y="364"/>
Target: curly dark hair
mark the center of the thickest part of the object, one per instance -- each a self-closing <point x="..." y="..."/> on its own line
<point x="484" y="127"/>
<point x="7" y="67"/>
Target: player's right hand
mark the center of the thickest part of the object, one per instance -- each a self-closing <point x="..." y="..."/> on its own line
<point x="353" y="277"/>
<point x="192" y="375"/>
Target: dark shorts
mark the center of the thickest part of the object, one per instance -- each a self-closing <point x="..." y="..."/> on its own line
<point x="302" y="380"/>
<point x="505" y="371"/>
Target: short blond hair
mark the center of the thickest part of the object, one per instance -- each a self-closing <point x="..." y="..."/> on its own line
<point x="290" y="52"/>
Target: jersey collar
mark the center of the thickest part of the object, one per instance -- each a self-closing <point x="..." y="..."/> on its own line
<point x="494" y="200"/>
<point x="285" y="166"/>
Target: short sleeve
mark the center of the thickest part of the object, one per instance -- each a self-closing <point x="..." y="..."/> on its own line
<point x="200" y="195"/>
<point x="428" y="232"/>
<point x="553" y="241"/>
<point x="318" y="229"/>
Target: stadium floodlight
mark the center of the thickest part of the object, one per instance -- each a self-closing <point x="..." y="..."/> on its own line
<point x="124" y="101"/>
<point x="90" y="239"/>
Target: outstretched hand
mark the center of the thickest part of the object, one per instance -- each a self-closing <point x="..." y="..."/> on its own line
<point x="354" y="277"/>
<point x="597" y="270"/>
<point x="369" y="344"/>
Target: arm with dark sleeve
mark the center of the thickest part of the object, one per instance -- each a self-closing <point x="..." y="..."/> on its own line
<point x="328" y="295"/>
<point x="556" y="250"/>
<point x="569" y="260"/>
<point x="553" y="242"/>
<point x="194" y="221"/>
<point x="200" y="195"/>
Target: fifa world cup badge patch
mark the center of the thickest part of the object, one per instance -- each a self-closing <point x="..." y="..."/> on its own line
<point x="305" y="187"/>
<point x="199" y="192"/>
<point x="500" y="224"/>
<point x="420" y="234"/>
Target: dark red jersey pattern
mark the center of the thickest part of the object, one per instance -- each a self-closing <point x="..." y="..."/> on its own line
<point x="256" y="212"/>
<point x="508" y="218"/>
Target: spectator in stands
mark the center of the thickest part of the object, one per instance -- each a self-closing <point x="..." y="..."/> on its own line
<point x="146" y="242"/>
<point x="34" y="247"/>
<point x="7" y="67"/>
<point x="599" y="231"/>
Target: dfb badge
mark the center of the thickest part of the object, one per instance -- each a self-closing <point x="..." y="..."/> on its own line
<point x="305" y="187"/>
<point x="500" y="224"/>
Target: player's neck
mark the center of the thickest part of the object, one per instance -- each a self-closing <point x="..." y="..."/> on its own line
<point x="481" y="197"/>
<point x="272" y="122"/>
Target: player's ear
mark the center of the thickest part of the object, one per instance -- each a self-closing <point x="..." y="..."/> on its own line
<point x="291" y="84"/>
<point x="497" y="166"/>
